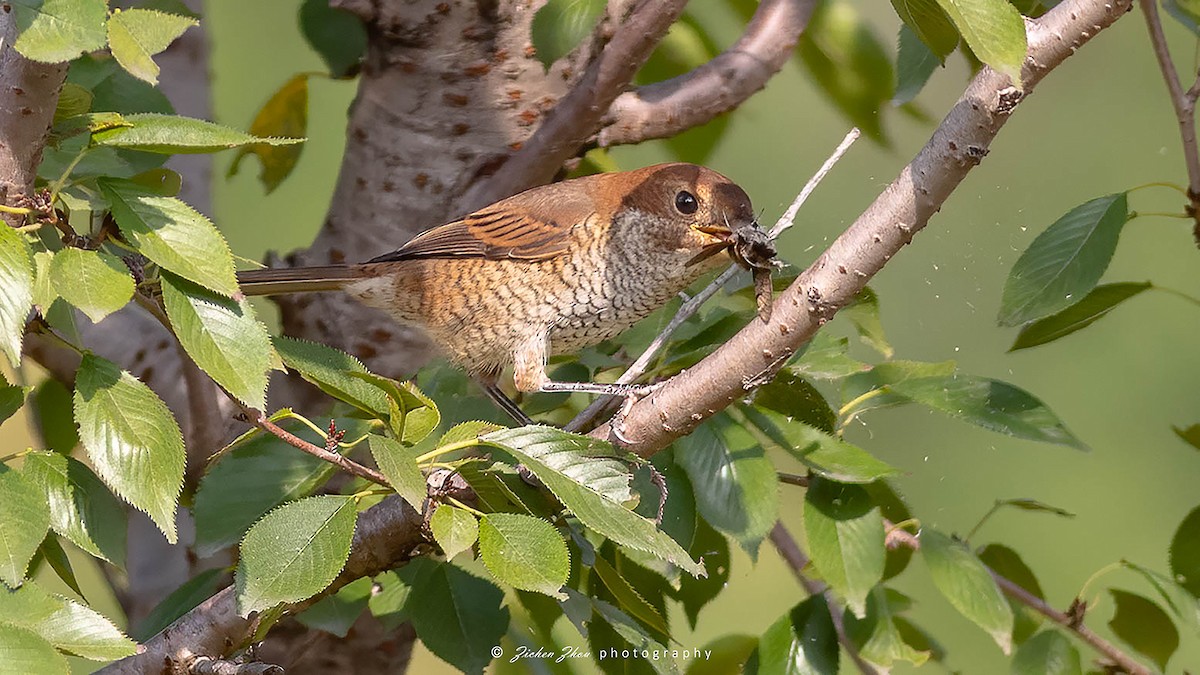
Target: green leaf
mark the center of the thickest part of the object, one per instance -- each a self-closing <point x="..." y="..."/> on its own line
<point x="826" y="358"/>
<point x="991" y="404"/>
<point x="1094" y="306"/>
<point x="255" y="476"/>
<point x="859" y="393"/>
<point x="81" y="507"/>
<point x="454" y="529"/>
<point x="826" y="455"/>
<point x="1190" y="435"/>
<point x="337" y="613"/>
<point x="284" y="114"/>
<point x="524" y="552"/>
<point x="878" y="638"/>
<point x="457" y="615"/>
<point x="114" y="89"/>
<point x="16" y="291"/>
<point x="1186" y="12"/>
<point x="1063" y="264"/>
<point x="593" y="488"/>
<point x="97" y="283"/>
<point x="411" y="414"/>
<point x="914" y="66"/>
<point x="331" y="370"/>
<point x="609" y="627"/>
<point x="337" y="36"/>
<point x="844" y="531"/>
<point x="723" y="655"/>
<point x="55" y="556"/>
<point x="135" y="35"/>
<point x="223" y="337"/>
<point x="927" y="22"/>
<point x="68" y="625"/>
<point x="12" y="398"/>
<point x="848" y="63"/>
<point x="25" y="652"/>
<point x="181" y="601"/>
<point x="53" y="31"/>
<point x="711" y="548"/>
<point x="72" y="100"/>
<point x="1007" y="563"/>
<point x="1141" y="624"/>
<point x="561" y="25"/>
<point x="399" y="465"/>
<point x="803" y="641"/>
<point x="172" y="234"/>
<point x="294" y="552"/>
<point x="627" y="597"/>
<point x="132" y="439"/>
<point x="968" y="585"/>
<point x="863" y="312"/>
<point x="794" y="397"/>
<point x="176" y="135"/>
<point x="1179" y="600"/>
<point x="388" y="599"/>
<point x="1185" y="552"/>
<point x="24" y="521"/>
<point x="737" y="489"/>
<point x="1047" y="653"/>
<point x="994" y="30"/>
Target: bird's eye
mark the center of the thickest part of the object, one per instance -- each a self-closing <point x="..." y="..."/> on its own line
<point x="685" y="202"/>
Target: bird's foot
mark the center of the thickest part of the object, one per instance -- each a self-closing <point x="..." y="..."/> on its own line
<point x="634" y="394"/>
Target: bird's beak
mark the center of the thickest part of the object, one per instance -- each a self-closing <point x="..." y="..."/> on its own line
<point x="720" y="236"/>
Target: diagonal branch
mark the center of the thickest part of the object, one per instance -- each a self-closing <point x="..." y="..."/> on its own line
<point x="753" y="356"/>
<point x="666" y="108"/>
<point x="1183" y="102"/>
<point x="579" y="112"/>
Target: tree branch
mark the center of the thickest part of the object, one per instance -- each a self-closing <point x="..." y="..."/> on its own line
<point x="1183" y="102"/>
<point x="256" y="418"/>
<point x="753" y="356"/>
<point x="577" y="114"/>
<point x="666" y="108"/>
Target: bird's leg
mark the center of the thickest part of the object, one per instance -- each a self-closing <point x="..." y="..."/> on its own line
<point x="502" y="401"/>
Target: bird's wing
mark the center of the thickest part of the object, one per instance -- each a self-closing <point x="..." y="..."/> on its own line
<point x="530" y="226"/>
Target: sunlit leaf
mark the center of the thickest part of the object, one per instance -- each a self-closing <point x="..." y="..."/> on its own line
<point x="95" y="282"/>
<point x="561" y="25"/>
<point x="24" y="521"/>
<point x="24" y="651"/>
<point x="53" y="31"/>
<point x="454" y="529"/>
<point x="968" y="585"/>
<point x="173" y="134"/>
<point x="284" y="114"/>
<point x="994" y="31"/>
<point x="844" y="531"/>
<point x="81" y="507"/>
<point x="16" y="291"/>
<point x="801" y="641"/>
<point x="136" y="35"/>
<point x="524" y="552"/>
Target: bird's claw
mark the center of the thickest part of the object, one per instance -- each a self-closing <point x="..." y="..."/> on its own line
<point x="635" y="394"/>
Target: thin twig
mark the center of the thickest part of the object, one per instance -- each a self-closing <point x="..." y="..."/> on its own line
<point x="256" y="418"/>
<point x="796" y="559"/>
<point x="1183" y="102"/>
<point x="693" y="304"/>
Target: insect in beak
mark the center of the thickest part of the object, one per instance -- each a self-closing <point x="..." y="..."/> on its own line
<point x="721" y="239"/>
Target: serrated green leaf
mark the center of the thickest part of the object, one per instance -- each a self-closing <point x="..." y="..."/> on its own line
<point x="53" y="416"/>
<point x="858" y="390"/>
<point x="24" y="652"/>
<point x="399" y="465"/>
<point x="991" y="404"/>
<point x="12" y="398"/>
<point x="794" y="397"/>
<point x="877" y="636"/>
<point x="16" y="291"/>
<point x="24" y="521"/>
<point x="252" y="478"/>
<point x="457" y="615"/>
<point x="1007" y="563"/>
<point x="337" y="613"/>
<point x="926" y="21"/>
<point x="711" y="548"/>
<point x="1094" y="306"/>
<point x="284" y="114"/>
<point x="863" y="312"/>
<point x="1185" y="552"/>
<point x="736" y="486"/>
<point x="66" y="624"/>
<point x="826" y="358"/>
<point x="994" y="30"/>
<point x="114" y="89"/>
<point x="136" y="35"/>
<point x="803" y="641"/>
<point x="294" y="552"/>
<point x="95" y="282"/>
<point x="411" y="414"/>
<point x="1143" y="625"/>
<point x="524" y="552"/>
<point x="561" y="25"/>
<point x="337" y="36"/>
<point x="81" y="507"/>
<point x="132" y="439"/>
<point x="467" y="431"/>
<point x="72" y="100"/>
<point x="454" y="529"/>
<point x="1047" y="653"/>
<point x="330" y="369"/>
<point x="181" y="601"/>
<point x="827" y="456"/>
<point x="222" y="336"/>
<point x="1063" y="264"/>
<point x="844" y="531"/>
<point x="53" y="31"/>
<point x="55" y="556"/>
<point x="611" y="628"/>
<point x="848" y="63"/>
<point x="172" y="234"/>
<point x="1179" y="600"/>
<point x="915" y="64"/>
<point x="594" y="489"/>
<point x="175" y="135"/>
<point x="968" y="585"/>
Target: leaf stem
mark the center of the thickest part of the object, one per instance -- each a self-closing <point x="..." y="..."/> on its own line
<point x="464" y="507"/>
<point x="990" y="512"/>
<point x="1174" y="186"/>
<point x="16" y="210"/>
<point x="58" y="184"/>
<point x="849" y="407"/>
<point x="256" y="418"/>
<point x="450" y="447"/>
<point x="1179" y="294"/>
<point x="1163" y="214"/>
<point x="21" y="453"/>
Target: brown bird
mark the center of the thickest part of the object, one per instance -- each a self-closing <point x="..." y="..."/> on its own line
<point x="548" y="271"/>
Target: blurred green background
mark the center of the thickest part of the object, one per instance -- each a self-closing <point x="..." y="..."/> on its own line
<point x="1099" y="124"/>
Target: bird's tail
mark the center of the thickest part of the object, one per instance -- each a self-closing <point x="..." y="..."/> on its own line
<point x="282" y="280"/>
